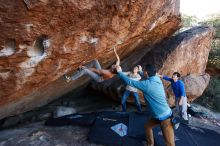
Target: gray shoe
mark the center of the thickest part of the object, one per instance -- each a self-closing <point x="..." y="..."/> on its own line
<point x="176" y="126"/>
<point x="68" y="79"/>
<point x="183" y="121"/>
<point x="175" y="122"/>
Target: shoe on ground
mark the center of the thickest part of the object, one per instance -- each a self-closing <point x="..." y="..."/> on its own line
<point x="189" y="116"/>
<point x="176" y="126"/>
<point x="68" y="79"/>
<point x="188" y="105"/>
<point x="183" y="121"/>
<point x="176" y="122"/>
<point x="144" y="143"/>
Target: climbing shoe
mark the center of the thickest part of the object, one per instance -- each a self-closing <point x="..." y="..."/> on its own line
<point x="175" y="122"/>
<point x="68" y="79"/>
<point x="183" y="121"/>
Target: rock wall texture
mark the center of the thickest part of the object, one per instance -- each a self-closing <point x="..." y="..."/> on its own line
<point x="186" y="52"/>
<point x="43" y="39"/>
<point x="195" y="85"/>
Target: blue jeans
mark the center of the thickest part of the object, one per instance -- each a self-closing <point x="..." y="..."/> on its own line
<point x="136" y="98"/>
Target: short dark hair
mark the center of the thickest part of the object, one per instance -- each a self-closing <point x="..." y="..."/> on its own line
<point x="113" y="69"/>
<point x="151" y="70"/>
<point x="177" y="74"/>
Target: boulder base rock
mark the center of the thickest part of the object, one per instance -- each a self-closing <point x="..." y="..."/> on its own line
<point x="195" y="85"/>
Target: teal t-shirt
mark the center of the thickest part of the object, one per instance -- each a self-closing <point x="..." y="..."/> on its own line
<point x="154" y="95"/>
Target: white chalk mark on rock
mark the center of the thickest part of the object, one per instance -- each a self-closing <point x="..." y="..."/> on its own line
<point x="5" y="75"/>
<point x="32" y="62"/>
<point x="91" y="40"/>
<point x="9" y="48"/>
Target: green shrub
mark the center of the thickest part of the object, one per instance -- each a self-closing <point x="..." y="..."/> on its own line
<point x="211" y="96"/>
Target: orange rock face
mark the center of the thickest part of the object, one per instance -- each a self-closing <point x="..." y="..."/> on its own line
<point x="43" y="39"/>
<point x="186" y="53"/>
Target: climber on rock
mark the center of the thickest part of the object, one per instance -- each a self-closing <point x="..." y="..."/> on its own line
<point x="131" y="90"/>
<point x="95" y="71"/>
<point x="180" y="94"/>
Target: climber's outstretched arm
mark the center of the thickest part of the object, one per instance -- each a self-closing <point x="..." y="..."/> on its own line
<point x="118" y="59"/>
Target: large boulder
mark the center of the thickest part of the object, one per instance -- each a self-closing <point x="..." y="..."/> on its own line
<point x="43" y="39"/>
<point x="186" y="52"/>
<point x="195" y="85"/>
